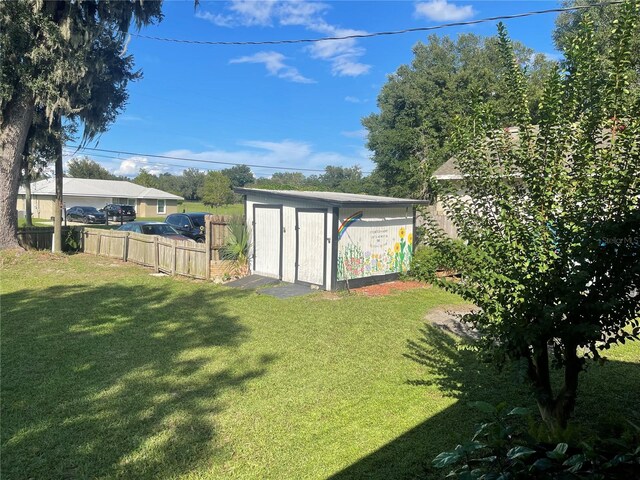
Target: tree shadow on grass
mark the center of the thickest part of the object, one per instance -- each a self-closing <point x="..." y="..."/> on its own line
<point x="452" y="369"/>
<point x="118" y="381"/>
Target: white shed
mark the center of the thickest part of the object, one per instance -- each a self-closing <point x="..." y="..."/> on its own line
<point x="328" y="239"/>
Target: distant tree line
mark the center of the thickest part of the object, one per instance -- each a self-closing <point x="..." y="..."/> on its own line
<point x="215" y="187"/>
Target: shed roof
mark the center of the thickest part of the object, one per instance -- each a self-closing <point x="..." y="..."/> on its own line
<point x="89" y="187"/>
<point x="333" y="199"/>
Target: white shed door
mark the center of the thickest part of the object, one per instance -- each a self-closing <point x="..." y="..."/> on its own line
<point x="267" y="238"/>
<point x="311" y="245"/>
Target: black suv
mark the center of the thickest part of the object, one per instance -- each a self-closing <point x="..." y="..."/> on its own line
<point x="126" y="213"/>
<point x="189" y="224"/>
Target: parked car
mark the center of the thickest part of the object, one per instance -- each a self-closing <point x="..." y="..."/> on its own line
<point x="189" y="224"/>
<point x="85" y="215"/>
<point x="152" y="228"/>
<point x="116" y="212"/>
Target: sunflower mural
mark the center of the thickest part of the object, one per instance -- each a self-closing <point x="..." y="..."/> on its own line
<point x="354" y="262"/>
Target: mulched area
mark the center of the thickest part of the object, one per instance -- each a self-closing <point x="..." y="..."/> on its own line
<point x="389" y="287"/>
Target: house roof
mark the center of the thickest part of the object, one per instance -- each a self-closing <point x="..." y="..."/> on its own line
<point x="448" y="171"/>
<point x="85" y="187"/>
<point x="333" y="199"/>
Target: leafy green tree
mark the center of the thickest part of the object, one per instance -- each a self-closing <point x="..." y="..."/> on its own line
<point x="342" y="179"/>
<point x="87" y="168"/>
<point x="191" y="183"/>
<point x="409" y="135"/>
<point x="568" y="26"/>
<point x="169" y="183"/>
<point x="239" y="175"/>
<point x="216" y="190"/>
<point x="551" y="217"/>
<point x="146" y="179"/>
<point x="65" y="58"/>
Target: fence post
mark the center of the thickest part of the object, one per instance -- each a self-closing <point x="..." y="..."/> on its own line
<point x="156" y="254"/>
<point x="99" y="242"/>
<point x="175" y="257"/>
<point x="125" y="247"/>
<point x="207" y="250"/>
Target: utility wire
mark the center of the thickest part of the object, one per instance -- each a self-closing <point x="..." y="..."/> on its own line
<point x="112" y="159"/>
<point x="186" y="159"/>
<point x="380" y="34"/>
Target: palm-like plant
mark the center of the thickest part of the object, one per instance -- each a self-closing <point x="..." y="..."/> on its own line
<point x="237" y="247"/>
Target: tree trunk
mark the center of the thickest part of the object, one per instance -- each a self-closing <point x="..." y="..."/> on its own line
<point x="58" y="204"/>
<point x="17" y="116"/>
<point x="555" y="410"/>
<point x="27" y="203"/>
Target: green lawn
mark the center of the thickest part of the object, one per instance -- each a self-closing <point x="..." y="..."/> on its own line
<point x="233" y="209"/>
<point x="110" y="372"/>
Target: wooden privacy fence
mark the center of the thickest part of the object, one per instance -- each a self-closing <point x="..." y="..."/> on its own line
<point x="442" y="220"/>
<point x="174" y="257"/>
<point x="41" y="238"/>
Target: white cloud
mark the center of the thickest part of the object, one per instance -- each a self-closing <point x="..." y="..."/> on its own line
<point x="275" y="65"/>
<point x="130" y="167"/>
<point x="251" y="12"/>
<point x="443" y="11"/>
<point x="130" y="118"/>
<point x="343" y="55"/>
<point x="218" y="20"/>
<point x="352" y="99"/>
<point x="286" y="153"/>
<point x="290" y="154"/>
<point x="300" y="12"/>
<point x="362" y="133"/>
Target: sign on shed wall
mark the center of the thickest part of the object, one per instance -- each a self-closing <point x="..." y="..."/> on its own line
<point x="374" y="241"/>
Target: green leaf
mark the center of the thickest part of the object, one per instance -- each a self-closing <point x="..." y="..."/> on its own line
<point x="543" y="464"/>
<point x="559" y="452"/>
<point x="445" y="459"/>
<point x="484" y="407"/>
<point x="519" y="452"/>
<point x="520" y="411"/>
<point x="575" y="462"/>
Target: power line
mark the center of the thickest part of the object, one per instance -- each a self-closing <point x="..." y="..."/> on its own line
<point x="143" y="164"/>
<point x="380" y="34"/>
<point x="186" y="159"/>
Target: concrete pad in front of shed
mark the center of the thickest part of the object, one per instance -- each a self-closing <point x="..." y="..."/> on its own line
<point x="288" y="290"/>
<point x="251" y="282"/>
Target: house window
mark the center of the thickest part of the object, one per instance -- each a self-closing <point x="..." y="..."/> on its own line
<point x="161" y="206"/>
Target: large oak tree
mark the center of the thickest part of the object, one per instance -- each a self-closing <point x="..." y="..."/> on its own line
<point x="66" y="58"/>
<point x="409" y="135"/>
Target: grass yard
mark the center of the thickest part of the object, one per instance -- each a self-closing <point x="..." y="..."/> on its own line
<point x="110" y="372"/>
<point x="232" y="209"/>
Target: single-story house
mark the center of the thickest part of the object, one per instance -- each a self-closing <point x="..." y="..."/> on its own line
<point x="148" y="202"/>
<point x="327" y="239"/>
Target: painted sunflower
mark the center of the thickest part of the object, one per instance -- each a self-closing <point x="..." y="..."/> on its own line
<point x="396" y="247"/>
<point x="402" y="232"/>
<point x="410" y="238"/>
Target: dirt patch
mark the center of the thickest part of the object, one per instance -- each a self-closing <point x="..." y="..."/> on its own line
<point x="389" y="287"/>
<point x="448" y="317"/>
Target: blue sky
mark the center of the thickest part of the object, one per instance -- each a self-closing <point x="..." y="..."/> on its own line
<point x="295" y="106"/>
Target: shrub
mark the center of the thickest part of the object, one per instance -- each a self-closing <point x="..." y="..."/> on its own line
<point x="237" y="247"/>
<point x="428" y="260"/>
<point x="502" y="449"/>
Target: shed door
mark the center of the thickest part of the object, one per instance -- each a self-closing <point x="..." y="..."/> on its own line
<point x="311" y="233"/>
<point x="267" y="240"/>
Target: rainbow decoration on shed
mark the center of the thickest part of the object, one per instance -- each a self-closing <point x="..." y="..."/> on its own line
<point x="347" y="223"/>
